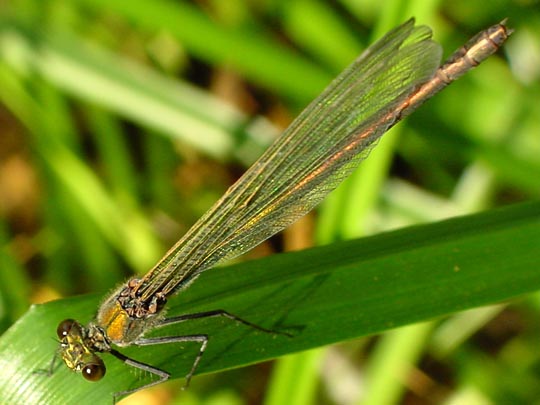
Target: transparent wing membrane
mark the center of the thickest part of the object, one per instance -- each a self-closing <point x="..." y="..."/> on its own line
<point x="319" y="149"/>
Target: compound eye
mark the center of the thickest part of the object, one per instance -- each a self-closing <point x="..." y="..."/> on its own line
<point x="94" y="371"/>
<point x="64" y="327"/>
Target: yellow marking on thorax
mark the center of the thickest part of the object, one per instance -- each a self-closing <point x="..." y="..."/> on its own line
<point x="115" y="321"/>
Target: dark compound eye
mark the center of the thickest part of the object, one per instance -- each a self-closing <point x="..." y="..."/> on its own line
<point x="94" y="371"/>
<point x="64" y="327"/>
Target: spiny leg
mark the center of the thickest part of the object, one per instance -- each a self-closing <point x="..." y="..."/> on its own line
<point x="202" y="339"/>
<point x="218" y="313"/>
<point x="163" y="375"/>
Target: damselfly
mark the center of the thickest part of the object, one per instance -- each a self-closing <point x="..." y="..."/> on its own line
<point x="319" y="149"/>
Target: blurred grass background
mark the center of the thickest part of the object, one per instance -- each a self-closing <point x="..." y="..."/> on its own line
<point x="121" y="122"/>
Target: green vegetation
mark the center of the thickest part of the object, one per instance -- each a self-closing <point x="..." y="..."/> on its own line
<point x="121" y="122"/>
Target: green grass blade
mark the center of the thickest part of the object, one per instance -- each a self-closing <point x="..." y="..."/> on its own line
<point x="132" y="91"/>
<point x="252" y="52"/>
<point x="322" y="296"/>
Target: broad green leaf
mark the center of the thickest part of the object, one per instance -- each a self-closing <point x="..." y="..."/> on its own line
<point x="322" y="296"/>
